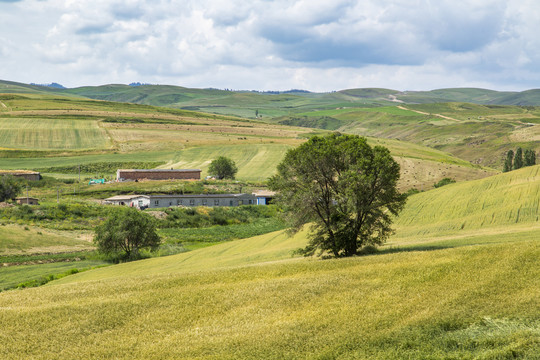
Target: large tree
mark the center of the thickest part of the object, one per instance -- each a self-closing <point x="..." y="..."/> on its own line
<point x="342" y="186"/>
<point x="223" y="168"/>
<point x="125" y="233"/>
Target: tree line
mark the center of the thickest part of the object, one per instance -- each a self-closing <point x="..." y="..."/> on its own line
<point x="519" y="159"/>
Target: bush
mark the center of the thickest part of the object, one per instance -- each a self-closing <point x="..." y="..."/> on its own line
<point x="443" y="182"/>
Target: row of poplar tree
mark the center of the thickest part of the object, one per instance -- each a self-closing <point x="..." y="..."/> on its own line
<point x="519" y="159"/>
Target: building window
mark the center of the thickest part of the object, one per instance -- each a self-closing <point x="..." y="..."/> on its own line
<point x="250" y="202"/>
<point x="178" y="202"/>
<point x="204" y="202"/>
<point x="192" y="202"/>
<point x="231" y="202"/>
<point x="216" y="202"/>
<point x="156" y="202"/>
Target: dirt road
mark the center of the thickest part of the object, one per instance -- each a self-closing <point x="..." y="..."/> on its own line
<point x="425" y="113"/>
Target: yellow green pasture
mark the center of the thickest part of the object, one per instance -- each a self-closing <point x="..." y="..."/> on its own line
<point x="249" y="299"/>
<point x="255" y="162"/>
<point x="22" y="239"/>
<point x="502" y="200"/>
<point x="51" y="134"/>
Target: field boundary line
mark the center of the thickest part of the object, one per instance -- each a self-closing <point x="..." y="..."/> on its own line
<point x="425" y="113"/>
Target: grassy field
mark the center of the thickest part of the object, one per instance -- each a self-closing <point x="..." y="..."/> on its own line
<point x="33" y="275"/>
<point x="253" y="301"/>
<point x="51" y="134"/>
<point x="502" y="200"/>
<point x="23" y="239"/>
<point x="438" y="290"/>
<point x="48" y="132"/>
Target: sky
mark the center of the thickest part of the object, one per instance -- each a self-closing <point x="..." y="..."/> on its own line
<point x="316" y="45"/>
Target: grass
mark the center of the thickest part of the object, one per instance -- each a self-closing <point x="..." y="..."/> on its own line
<point x="450" y="303"/>
<point x="48" y="134"/>
<point x="459" y="293"/>
<point x="502" y="200"/>
<point x="15" y="239"/>
<point x="35" y="275"/>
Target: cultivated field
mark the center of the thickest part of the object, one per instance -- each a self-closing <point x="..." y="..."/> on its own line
<point x="48" y="132"/>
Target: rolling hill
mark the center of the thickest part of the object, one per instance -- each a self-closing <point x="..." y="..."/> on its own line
<point x="446" y="292"/>
<point x="54" y="133"/>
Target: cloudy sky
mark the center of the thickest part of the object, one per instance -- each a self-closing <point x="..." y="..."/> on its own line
<point x="318" y="45"/>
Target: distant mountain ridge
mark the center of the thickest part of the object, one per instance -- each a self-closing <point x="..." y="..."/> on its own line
<point x="217" y="100"/>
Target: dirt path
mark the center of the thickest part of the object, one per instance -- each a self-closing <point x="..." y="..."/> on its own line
<point x="425" y="113"/>
<point x="395" y="99"/>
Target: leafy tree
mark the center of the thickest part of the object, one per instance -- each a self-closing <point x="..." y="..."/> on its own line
<point x="10" y="187"/>
<point x="529" y="158"/>
<point x="125" y="233"/>
<point x="508" y="163"/>
<point x="223" y="168"/>
<point x="345" y="188"/>
<point x="518" y="159"/>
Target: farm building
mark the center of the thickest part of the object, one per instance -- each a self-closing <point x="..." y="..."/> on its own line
<point x="159" y="201"/>
<point x="158" y="174"/>
<point x="202" y="200"/>
<point x="27" y="201"/>
<point x="138" y="201"/>
<point x="26" y="174"/>
<point x="264" y="197"/>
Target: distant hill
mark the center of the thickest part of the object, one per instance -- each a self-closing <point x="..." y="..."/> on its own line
<point x="275" y="103"/>
<point x="51" y="85"/>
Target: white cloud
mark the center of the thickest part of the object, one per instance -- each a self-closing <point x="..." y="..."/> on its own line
<point x="280" y="44"/>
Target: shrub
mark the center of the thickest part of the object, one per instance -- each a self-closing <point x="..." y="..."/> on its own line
<point x="443" y="182"/>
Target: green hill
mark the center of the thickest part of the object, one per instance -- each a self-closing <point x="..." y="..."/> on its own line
<point x="445" y="293"/>
<point x="501" y="202"/>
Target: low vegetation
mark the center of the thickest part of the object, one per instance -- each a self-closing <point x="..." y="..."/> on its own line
<point x="459" y="279"/>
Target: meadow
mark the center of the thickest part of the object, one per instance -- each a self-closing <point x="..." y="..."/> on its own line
<point x="253" y="301"/>
<point x="458" y="280"/>
<point x="55" y="135"/>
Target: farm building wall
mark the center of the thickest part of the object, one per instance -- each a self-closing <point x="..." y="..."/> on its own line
<point x="28" y="175"/>
<point x="153" y="174"/>
<point x="158" y="201"/>
<point x="27" y="201"/>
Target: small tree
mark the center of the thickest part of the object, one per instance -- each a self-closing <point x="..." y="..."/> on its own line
<point x="342" y="186"/>
<point x="518" y="159"/>
<point x="125" y="233"/>
<point x="529" y="158"/>
<point x="10" y="188"/>
<point x="223" y="168"/>
<point x="509" y="162"/>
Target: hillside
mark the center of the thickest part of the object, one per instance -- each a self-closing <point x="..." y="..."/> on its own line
<point x="56" y="134"/>
<point x="504" y="203"/>
<point x="474" y="294"/>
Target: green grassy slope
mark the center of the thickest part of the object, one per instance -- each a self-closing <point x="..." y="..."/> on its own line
<point x="451" y="303"/>
<point x="468" y="296"/>
<point x="504" y="200"/>
<point x="16" y="239"/>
